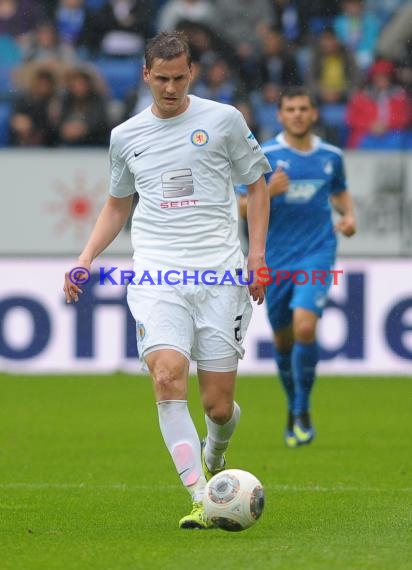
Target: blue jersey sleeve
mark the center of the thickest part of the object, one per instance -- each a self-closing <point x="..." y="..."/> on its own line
<point x="338" y="182"/>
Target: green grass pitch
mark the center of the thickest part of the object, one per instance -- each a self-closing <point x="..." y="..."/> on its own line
<point x="86" y="483"/>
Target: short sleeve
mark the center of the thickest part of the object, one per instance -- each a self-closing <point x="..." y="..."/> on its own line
<point x="338" y="183"/>
<point x="246" y="157"/>
<point x="121" y="179"/>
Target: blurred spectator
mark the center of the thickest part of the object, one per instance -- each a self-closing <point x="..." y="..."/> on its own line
<point x="136" y="101"/>
<point x="379" y="114"/>
<point x="70" y="19"/>
<point x="317" y="15"/>
<point x="32" y="118"/>
<point x="237" y="47"/>
<point x="265" y="110"/>
<point x="404" y="74"/>
<point x="49" y="7"/>
<point x="245" y="107"/>
<point x="119" y="28"/>
<point x="395" y="41"/>
<point x="243" y="25"/>
<point x="289" y="20"/>
<point x="46" y="45"/>
<point x="332" y="71"/>
<point x="358" y="29"/>
<point x="19" y="18"/>
<point x="205" y="45"/>
<point x="385" y="9"/>
<point x="219" y="83"/>
<point x="277" y="65"/>
<point x="83" y="116"/>
<point x="200" y="11"/>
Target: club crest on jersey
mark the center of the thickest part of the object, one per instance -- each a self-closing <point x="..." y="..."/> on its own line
<point x="328" y="168"/>
<point x="140" y="329"/>
<point x="199" y="137"/>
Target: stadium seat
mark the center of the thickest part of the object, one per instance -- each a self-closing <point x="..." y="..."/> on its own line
<point x="265" y="115"/>
<point x="7" y="87"/>
<point x="333" y="116"/>
<point x="318" y="24"/>
<point x="95" y="4"/>
<point x="5" y="111"/>
<point x="121" y="75"/>
<point x="391" y="141"/>
<point x="407" y="140"/>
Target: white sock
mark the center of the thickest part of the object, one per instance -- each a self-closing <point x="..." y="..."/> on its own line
<point x="182" y="441"/>
<point x="218" y="437"/>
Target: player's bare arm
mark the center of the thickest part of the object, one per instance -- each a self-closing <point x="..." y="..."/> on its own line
<point x="242" y="204"/>
<point x="258" y="218"/>
<point x="110" y="221"/>
<point x="343" y="204"/>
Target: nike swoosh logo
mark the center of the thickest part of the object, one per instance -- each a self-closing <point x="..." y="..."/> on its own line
<point x="184" y="471"/>
<point x="139" y="153"/>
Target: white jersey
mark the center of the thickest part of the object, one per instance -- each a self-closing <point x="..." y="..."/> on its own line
<point x="184" y="169"/>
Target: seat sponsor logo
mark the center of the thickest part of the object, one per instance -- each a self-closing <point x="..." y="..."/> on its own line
<point x="177" y="183"/>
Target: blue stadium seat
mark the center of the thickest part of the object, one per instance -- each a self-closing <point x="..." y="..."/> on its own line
<point x="5" y="111"/>
<point x="122" y="75"/>
<point x="95" y="4"/>
<point x="333" y="115"/>
<point x="317" y="24"/>
<point x="266" y="119"/>
<point x="407" y="140"/>
<point x="7" y="87"/>
<point x="392" y="140"/>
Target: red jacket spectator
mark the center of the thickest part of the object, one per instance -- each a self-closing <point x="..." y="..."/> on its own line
<point x="379" y="108"/>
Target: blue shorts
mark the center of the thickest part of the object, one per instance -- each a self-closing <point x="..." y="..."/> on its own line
<point x="303" y="284"/>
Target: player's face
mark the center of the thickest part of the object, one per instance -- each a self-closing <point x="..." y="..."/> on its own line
<point x="169" y="82"/>
<point x="297" y="115"/>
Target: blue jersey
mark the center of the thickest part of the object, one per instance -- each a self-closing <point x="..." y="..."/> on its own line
<point x="301" y="219"/>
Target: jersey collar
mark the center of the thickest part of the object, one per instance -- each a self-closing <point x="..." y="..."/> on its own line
<point x="315" y="144"/>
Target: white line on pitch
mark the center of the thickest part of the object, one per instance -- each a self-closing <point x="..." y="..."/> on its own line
<point x="125" y="487"/>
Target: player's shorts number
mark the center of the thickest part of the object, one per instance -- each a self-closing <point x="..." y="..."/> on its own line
<point x="238" y="335"/>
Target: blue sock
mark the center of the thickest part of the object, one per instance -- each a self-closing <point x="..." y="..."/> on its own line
<point x="283" y="361"/>
<point x="304" y="360"/>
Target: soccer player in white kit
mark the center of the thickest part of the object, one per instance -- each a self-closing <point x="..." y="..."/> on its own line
<point x="183" y="155"/>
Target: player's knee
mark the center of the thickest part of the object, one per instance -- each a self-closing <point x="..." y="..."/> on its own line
<point x="305" y="332"/>
<point x="283" y="345"/>
<point x="219" y="412"/>
<point x="168" y="380"/>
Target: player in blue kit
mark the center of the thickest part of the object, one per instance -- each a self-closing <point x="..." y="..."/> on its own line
<point x="301" y="245"/>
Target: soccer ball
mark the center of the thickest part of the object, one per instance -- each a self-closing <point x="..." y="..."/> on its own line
<point x="234" y="499"/>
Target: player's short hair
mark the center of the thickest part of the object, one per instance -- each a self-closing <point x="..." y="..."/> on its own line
<point x="296" y="91"/>
<point x="167" y="45"/>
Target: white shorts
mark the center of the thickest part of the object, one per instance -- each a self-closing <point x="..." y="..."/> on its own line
<point x="203" y="322"/>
